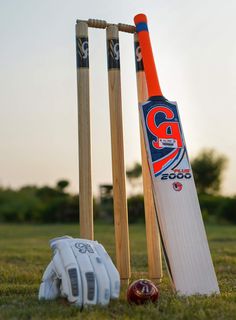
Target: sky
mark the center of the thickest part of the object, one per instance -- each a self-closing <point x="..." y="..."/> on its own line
<point x="194" y="47"/>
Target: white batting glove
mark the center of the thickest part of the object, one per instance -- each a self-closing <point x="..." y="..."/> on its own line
<point x="81" y="271"/>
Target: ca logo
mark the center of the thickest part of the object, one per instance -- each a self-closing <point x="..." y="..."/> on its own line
<point x="114" y="50"/>
<point x="138" y="54"/>
<point x="83" y="49"/>
<point x="84" y="247"/>
<point x="166" y="131"/>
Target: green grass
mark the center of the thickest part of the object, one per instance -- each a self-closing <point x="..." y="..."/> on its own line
<point x="24" y="254"/>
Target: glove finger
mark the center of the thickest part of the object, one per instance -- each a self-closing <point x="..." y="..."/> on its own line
<point x="53" y="242"/>
<point x="112" y="272"/>
<point x="68" y="271"/>
<point x="85" y="248"/>
<point x="88" y="277"/>
<point x="50" y="286"/>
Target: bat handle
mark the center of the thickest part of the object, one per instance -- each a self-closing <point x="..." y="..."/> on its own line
<point x="153" y="84"/>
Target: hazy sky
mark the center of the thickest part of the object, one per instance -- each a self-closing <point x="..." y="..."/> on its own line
<point x="195" y="51"/>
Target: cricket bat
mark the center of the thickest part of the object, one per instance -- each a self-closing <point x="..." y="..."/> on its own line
<point x="178" y="212"/>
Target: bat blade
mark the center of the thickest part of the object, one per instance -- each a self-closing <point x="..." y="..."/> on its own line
<point x="183" y="233"/>
<point x="178" y="212"/>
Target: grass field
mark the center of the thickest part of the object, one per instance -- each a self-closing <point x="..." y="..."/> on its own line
<point x="24" y="253"/>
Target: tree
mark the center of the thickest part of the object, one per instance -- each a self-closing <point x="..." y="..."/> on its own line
<point x="134" y="176"/>
<point x="62" y="185"/>
<point x="134" y="172"/>
<point x="208" y="169"/>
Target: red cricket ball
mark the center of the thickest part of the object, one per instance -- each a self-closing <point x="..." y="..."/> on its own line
<point x="142" y="291"/>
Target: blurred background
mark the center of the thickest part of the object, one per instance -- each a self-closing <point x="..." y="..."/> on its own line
<point x="194" y="49"/>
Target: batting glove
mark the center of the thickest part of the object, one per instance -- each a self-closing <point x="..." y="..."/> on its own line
<point x="81" y="271"/>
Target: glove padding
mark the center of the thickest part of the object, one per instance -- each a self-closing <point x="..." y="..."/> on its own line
<point x="81" y="271"/>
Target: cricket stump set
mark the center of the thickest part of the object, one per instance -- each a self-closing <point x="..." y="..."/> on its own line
<point x="171" y="200"/>
<point x="117" y="148"/>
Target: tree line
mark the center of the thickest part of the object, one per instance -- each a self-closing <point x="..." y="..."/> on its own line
<point x="46" y="204"/>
